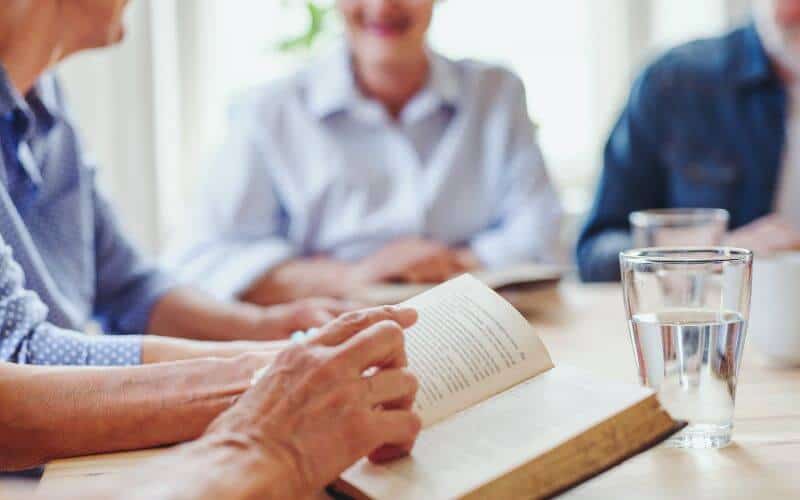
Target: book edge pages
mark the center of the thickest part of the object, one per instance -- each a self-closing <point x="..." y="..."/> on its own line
<point x="656" y="412"/>
<point x="342" y="486"/>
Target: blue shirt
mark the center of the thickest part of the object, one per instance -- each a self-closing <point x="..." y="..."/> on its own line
<point x="313" y="167"/>
<point x="63" y="259"/>
<point x="704" y="127"/>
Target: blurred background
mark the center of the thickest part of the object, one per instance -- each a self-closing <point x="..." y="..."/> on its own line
<point x="154" y="109"/>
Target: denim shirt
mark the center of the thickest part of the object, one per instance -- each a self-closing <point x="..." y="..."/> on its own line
<point x="704" y="127"/>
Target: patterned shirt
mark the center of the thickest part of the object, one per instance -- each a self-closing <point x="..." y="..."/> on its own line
<point x="63" y="259"/>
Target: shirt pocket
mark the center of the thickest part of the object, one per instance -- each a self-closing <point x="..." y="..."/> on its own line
<point x="700" y="178"/>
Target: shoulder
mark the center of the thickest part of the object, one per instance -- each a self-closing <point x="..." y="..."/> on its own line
<point x="264" y="103"/>
<point x="699" y="64"/>
<point x="487" y="85"/>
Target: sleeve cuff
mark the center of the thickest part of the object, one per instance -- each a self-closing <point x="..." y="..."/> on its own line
<point x="598" y="259"/>
<point x="488" y="251"/>
<point x="53" y="346"/>
<point x="497" y="249"/>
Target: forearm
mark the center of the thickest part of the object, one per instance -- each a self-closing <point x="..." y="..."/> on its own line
<point x="47" y="413"/>
<point x="157" y="349"/>
<point x="190" y="314"/>
<point x="209" y="468"/>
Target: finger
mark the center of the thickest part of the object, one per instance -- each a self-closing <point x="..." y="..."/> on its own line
<point x="413" y="277"/>
<point x="450" y="267"/>
<point x="431" y="270"/>
<point x="349" y="324"/>
<point x="441" y="271"/>
<point x="336" y="307"/>
<point x="381" y="345"/>
<point x="313" y="318"/>
<point x="389" y="388"/>
<point x="396" y="432"/>
<point x="389" y="452"/>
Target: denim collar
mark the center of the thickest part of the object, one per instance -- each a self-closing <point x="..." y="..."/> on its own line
<point x="750" y="64"/>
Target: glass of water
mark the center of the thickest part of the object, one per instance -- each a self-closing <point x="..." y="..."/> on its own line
<point x="671" y="227"/>
<point x="687" y="312"/>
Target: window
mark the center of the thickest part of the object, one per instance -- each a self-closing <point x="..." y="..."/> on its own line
<point x="576" y="58"/>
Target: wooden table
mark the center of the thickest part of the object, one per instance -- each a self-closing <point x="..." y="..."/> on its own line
<point x="584" y="325"/>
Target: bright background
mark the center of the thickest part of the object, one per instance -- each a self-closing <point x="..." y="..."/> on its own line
<point x="153" y="109"/>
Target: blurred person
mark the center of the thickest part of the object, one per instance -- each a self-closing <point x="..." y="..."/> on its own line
<point x="383" y="161"/>
<point x="713" y="123"/>
<point x="310" y="417"/>
<point x="63" y="261"/>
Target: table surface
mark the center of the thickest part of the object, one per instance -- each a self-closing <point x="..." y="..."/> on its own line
<point x="584" y="325"/>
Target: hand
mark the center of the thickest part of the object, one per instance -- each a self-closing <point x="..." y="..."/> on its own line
<point x="316" y="412"/>
<point x="280" y="321"/>
<point x="302" y="278"/>
<point x="765" y="235"/>
<point x="413" y="260"/>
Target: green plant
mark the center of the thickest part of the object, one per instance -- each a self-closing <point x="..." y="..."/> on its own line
<point x="318" y="22"/>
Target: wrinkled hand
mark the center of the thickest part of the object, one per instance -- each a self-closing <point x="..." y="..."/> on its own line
<point x="416" y="260"/>
<point x="315" y="412"/>
<point x="766" y="235"/>
<point x="280" y="321"/>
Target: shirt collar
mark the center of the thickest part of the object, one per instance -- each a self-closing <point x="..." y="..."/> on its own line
<point x="444" y="80"/>
<point x="330" y="84"/>
<point x="752" y="65"/>
<point x="331" y="87"/>
<point x="37" y="113"/>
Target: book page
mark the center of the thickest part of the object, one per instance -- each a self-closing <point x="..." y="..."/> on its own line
<point x="468" y="344"/>
<point x="481" y="444"/>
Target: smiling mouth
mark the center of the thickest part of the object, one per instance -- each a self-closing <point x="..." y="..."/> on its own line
<point x="387" y="28"/>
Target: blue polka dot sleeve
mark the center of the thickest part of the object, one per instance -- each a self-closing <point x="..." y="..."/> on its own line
<point x="26" y="336"/>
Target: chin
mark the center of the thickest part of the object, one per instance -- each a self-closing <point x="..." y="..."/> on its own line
<point x="385" y="51"/>
<point x="116" y="34"/>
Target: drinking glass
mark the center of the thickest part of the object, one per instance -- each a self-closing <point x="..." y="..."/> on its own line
<point x="687" y="311"/>
<point x="678" y="227"/>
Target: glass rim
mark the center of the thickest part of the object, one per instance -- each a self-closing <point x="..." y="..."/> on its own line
<point x="677" y="215"/>
<point x="686" y="255"/>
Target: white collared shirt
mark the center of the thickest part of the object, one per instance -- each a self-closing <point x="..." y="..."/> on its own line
<point x="313" y="167"/>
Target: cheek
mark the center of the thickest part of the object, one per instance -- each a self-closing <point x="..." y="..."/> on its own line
<point x="787" y="14"/>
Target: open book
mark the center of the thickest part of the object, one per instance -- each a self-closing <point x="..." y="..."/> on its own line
<point x="510" y="278"/>
<point x="500" y="420"/>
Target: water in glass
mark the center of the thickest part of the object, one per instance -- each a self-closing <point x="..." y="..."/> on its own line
<point x="690" y="357"/>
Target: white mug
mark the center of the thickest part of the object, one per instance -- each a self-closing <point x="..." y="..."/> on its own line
<point x="774" y="326"/>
